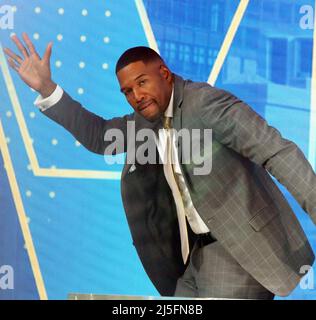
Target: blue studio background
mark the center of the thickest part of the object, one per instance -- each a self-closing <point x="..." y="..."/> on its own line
<point x="62" y="224"/>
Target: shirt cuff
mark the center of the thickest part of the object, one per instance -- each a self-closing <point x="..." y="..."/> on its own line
<point x="48" y="102"/>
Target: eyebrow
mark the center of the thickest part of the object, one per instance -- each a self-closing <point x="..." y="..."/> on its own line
<point x="141" y="75"/>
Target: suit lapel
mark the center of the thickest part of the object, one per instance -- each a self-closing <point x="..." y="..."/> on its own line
<point x="177" y="110"/>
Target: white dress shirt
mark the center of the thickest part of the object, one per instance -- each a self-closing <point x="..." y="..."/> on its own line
<point x="196" y="223"/>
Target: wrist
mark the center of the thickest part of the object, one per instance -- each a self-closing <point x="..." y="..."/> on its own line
<point x="47" y="89"/>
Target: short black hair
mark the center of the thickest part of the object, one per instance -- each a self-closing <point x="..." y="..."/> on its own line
<point x="134" y="54"/>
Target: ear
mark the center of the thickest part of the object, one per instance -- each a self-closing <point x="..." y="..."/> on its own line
<point x="165" y="72"/>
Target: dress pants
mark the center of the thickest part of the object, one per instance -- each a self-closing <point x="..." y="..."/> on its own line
<point x="213" y="273"/>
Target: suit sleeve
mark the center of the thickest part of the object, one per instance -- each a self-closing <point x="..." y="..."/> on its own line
<point x="88" y="128"/>
<point x="238" y="127"/>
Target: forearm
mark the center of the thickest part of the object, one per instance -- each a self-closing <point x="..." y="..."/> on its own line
<point x="290" y="167"/>
<point x="85" y="126"/>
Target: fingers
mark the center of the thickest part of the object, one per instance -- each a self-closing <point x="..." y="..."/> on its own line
<point x="12" y="55"/>
<point x="20" y="46"/>
<point x="29" y="43"/>
<point x="13" y="65"/>
<point x="48" y="52"/>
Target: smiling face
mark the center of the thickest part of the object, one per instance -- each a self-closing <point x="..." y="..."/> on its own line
<point x="147" y="87"/>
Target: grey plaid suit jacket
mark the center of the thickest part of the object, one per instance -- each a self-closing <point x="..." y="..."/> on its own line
<point x="239" y="202"/>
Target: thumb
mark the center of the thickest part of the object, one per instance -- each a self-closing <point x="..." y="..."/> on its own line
<point x="48" y="53"/>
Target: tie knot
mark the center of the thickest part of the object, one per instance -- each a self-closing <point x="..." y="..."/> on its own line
<point x="167" y="122"/>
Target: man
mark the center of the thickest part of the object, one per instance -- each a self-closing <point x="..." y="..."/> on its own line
<point x="239" y="237"/>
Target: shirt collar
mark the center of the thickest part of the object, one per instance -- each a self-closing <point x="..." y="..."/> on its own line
<point x="169" y="110"/>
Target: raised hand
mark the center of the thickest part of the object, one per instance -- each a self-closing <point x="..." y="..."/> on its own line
<point x="33" y="70"/>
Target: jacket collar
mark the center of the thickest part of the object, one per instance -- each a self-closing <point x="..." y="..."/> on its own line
<point x="178" y="92"/>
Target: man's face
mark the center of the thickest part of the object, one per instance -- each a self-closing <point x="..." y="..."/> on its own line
<point x="147" y="87"/>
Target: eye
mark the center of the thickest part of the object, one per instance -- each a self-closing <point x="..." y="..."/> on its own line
<point x="141" y="82"/>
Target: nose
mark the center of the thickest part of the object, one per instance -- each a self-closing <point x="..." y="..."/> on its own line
<point x="139" y="95"/>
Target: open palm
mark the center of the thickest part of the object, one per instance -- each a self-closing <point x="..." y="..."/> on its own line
<point x="33" y="70"/>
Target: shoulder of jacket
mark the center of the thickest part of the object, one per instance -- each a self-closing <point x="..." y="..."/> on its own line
<point x="200" y="89"/>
